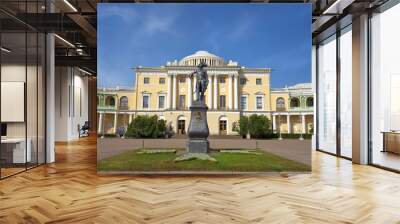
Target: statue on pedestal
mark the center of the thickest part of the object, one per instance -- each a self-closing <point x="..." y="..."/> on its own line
<point x="201" y="81"/>
<point x="198" y="146"/>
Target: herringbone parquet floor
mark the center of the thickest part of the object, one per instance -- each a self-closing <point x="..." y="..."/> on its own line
<point x="70" y="191"/>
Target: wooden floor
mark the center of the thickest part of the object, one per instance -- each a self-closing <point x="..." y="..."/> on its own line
<point x="69" y="191"/>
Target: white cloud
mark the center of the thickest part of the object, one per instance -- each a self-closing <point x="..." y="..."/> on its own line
<point x="127" y="14"/>
<point x="154" y="24"/>
<point x="241" y="28"/>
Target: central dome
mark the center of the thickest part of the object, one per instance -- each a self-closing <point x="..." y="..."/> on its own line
<point x="202" y="56"/>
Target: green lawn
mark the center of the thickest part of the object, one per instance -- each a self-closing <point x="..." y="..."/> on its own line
<point x="264" y="162"/>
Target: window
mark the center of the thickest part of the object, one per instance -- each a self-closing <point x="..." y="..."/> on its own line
<point x="222" y="80"/>
<point x="258" y="82"/>
<point x="310" y="102"/>
<point x="182" y="100"/>
<point x="385" y="88"/>
<point x="161" y="81"/>
<point x="110" y="101"/>
<point x="161" y="102"/>
<point x="243" y="102"/>
<point x="327" y="97"/>
<point x="182" y="80"/>
<point x="243" y="81"/>
<point x="280" y="104"/>
<point x="222" y="101"/>
<point x="146" y="80"/>
<point x="259" y="102"/>
<point x="294" y="102"/>
<point x="146" y="101"/>
<point x="123" y="103"/>
<point x="345" y="83"/>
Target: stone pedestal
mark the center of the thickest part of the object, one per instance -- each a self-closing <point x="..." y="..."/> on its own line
<point x="198" y="129"/>
<point x="197" y="146"/>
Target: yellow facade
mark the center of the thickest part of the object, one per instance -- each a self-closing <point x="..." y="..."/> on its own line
<point x="167" y="91"/>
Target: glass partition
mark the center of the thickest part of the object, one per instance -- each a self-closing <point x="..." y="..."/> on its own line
<point x="22" y="88"/>
<point x="327" y="97"/>
<point x="385" y="89"/>
<point x="346" y="92"/>
<point x="13" y="86"/>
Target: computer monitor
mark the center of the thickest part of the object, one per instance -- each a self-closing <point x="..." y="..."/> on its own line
<point x="3" y="129"/>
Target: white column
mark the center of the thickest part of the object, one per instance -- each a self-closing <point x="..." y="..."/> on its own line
<point x="190" y="92"/>
<point x="230" y="84"/>
<point x="100" y="128"/>
<point x="209" y="92"/>
<point x="288" y="123"/>
<point x="215" y="86"/>
<point x="303" y="123"/>
<point x="274" y="123"/>
<point x="174" y="92"/>
<point x="115" y="122"/>
<point x="130" y="119"/>
<point x="169" y="94"/>
<point x="50" y="93"/>
<point x="235" y="92"/>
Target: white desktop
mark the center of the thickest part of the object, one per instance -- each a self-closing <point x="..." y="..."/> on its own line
<point x="19" y="154"/>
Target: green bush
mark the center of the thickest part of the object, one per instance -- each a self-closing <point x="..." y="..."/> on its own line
<point x="146" y="127"/>
<point x="243" y="126"/>
<point x="259" y="126"/>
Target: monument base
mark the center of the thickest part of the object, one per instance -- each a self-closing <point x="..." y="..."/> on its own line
<point x="197" y="146"/>
<point x="191" y="156"/>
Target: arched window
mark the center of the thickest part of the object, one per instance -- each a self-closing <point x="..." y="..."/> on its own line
<point x="310" y="102"/>
<point x="280" y="104"/>
<point x="110" y="101"/>
<point x="123" y="103"/>
<point x="294" y="102"/>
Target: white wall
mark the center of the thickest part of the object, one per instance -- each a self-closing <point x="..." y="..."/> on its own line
<point x="71" y="103"/>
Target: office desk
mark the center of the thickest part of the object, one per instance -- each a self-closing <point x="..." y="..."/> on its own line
<point x="13" y="150"/>
<point x="391" y="141"/>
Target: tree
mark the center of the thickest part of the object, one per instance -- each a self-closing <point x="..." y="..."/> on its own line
<point x="146" y="127"/>
<point x="243" y="126"/>
<point x="259" y="126"/>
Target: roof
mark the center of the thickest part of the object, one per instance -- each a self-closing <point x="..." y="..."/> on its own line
<point x="301" y="86"/>
<point x="201" y="54"/>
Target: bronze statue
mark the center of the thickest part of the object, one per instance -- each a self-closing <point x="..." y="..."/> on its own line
<point x="198" y="146"/>
<point x="202" y="81"/>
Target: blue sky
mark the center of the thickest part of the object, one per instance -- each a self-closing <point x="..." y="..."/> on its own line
<point x="277" y="36"/>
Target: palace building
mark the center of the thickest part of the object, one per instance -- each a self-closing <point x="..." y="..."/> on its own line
<point x="233" y="91"/>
